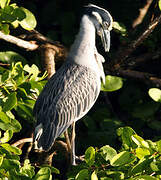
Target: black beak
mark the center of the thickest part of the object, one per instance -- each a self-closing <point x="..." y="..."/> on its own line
<point x="105" y="37"/>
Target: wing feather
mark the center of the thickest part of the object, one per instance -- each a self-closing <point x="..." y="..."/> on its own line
<point x="67" y="97"/>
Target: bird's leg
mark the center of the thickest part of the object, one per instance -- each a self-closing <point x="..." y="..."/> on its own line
<point x="67" y="141"/>
<point x="73" y="145"/>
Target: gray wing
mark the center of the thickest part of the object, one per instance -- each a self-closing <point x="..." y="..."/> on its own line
<point x="67" y="97"/>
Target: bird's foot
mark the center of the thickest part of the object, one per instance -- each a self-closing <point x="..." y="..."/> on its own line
<point x="77" y="160"/>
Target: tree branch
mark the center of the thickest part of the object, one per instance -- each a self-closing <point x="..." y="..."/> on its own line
<point x="19" y="42"/>
<point x="48" y="57"/>
<point x="21" y="141"/>
<point x="132" y="62"/>
<point x="142" y="13"/>
<point x="124" y="52"/>
<point x="141" y="76"/>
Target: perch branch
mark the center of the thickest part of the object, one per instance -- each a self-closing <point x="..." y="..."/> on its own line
<point x="124" y="52"/>
<point x="51" y="51"/>
<point x="21" y="141"/>
<point x="19" y="42"/>
<point x="142" y="13"/>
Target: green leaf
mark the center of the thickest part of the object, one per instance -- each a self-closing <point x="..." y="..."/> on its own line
<point x="5" y="28"/>
<point x="94" y="176"/>
<point x="82" y="175"/>
<point x="53" y="169"/>
<point x="159" y="4"/>
<point x="112" y="83"/>
<point x="12" y="125"/>
<point x="12" y="149"/>
<point x="9" y="164"/>
<point x="11" y="102"/>
<point x="26" y="86"/>
<point x="21" y="93"/>
<point x="155" y="93"/>
<point x="4" y="117"/>
<point x="27" y="169"/>
<point x="144" y="177"/>
<point x="25" y="111"/>
<point x="142" y="152"/>
<point x="43" y="174"/>
<point x="6" y="76"/>
<point x="105" y="178"/>
<point x="4" y="3"/>
<point x="90" y="156"/>
<point x="19" y="14"/>
<point x="33" y="70"/>
<point x="7" y="14"/>
<point x="152" y="145"/>
<point x="108" y="152"/>
<point x="158" y="145"/>
<point x="1" y="160"/>
<point x="37" y="86"/>
<point x="126" y="133"/>
<point x="140" y="141"/>
<point x="122" y="158"/>
<point x="7" y="136"/>
<point x="119" y="27"/>
<point x="11" y="56"/>
<point x="141" y="166"/>
<point x="154" y="166"/>
<point x="115" y="174"/>
<point x="29" y="22"/>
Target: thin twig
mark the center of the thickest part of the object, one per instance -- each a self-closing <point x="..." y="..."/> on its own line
<point x="21" y="141"/>
<point x="19" y="42"/>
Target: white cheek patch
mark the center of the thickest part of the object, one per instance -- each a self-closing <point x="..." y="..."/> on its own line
<point x="98" y="17"/>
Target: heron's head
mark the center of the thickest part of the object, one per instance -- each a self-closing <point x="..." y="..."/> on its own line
<point x="102" y="20"/>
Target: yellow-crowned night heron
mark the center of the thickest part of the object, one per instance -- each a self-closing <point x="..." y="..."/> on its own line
<point x="73" y="89"/>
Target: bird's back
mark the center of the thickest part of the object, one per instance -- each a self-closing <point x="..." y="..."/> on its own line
<point x="67" y="96"/>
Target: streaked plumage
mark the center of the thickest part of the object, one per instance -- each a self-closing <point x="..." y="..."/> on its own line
<point x="73" y="89"/>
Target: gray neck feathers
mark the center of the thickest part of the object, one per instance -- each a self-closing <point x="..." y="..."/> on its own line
<point x="83" y="47"/>
<point x="83" y="50"/>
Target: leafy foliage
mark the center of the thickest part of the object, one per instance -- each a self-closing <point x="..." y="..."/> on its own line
<point x="112" y="83"/>
<point x="137" y="159"/>
<point x="12" y="15"/>
<point x="155" y="94"/>
<point x="20" y="85"/>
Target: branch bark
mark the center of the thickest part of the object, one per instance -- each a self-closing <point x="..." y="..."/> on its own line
<point x="30" y="46"/>
<point x="147" y="78"/>
<point x="21" y="141"/>
<point x="124" y="52"/>
<point x="132" y="62"/>
<point x="142" y="13"/>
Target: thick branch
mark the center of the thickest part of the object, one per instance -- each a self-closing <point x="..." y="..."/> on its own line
<point x="142" y="13"/>
<point x="124" y="52"/>
<point x="48" y="58"/>
<point x="19" y="42"/>
<point x="141" y="76"/>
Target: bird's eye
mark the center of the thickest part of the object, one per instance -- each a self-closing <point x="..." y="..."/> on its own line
<point x="106" y="24"/>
